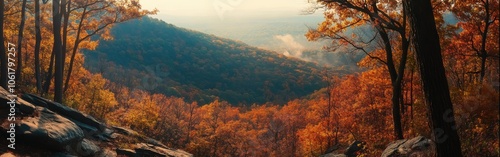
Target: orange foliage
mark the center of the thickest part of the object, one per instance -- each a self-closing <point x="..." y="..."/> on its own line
<point x="358" y="109"/>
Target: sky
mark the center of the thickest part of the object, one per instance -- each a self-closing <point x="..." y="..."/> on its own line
<point x="226" y="9"/>
<point x="277" y="25"/>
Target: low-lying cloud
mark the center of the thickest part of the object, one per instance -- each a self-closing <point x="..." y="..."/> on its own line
<point x="289" y="46"/>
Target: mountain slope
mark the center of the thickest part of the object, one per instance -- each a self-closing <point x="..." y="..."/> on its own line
<point x="153" y="55"/>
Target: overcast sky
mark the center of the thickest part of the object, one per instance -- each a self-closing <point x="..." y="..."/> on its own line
<point x="226" y="9"/>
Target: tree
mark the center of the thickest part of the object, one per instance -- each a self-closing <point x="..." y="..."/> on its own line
<point x="65" y="13"/>
<point x="437" y="95"/>
<point x="82" y="19"/>
<point x="96" y="18"/>
<point x="479" y="23"/>
<point x="331" y="83"/>
<point x="292" y="119"/>
<point x="57" y="49"/>
<point x="19" y="41"/>
<point x="343" y="15"/>
<point x="100" y="100"/>
<point x="3" y="52"/>
<point x="217" y="131"/>
<point x="38" y="36"/>
<point x="144" y="113"/>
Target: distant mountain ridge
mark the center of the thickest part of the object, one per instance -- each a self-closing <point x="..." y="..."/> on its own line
<point x="150" y="54"/>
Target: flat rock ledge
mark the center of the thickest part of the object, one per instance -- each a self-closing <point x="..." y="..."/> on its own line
<point x="47" y="128"/>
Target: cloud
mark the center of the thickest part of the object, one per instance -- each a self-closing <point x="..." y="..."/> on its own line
<point x="289" y="46"/>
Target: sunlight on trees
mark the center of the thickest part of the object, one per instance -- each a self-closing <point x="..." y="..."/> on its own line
<point x="377" y="104"/>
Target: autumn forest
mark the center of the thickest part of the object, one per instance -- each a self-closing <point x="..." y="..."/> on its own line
<point x="422" y="68"/>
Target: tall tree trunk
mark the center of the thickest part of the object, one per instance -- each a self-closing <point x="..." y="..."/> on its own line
<point x="19" y="42"/>
<point x="49" y="76"/>
<point x="57" y="50"/>
<point x="3" y="52"/>
<point x="26" y="57"/>
<point x="401" y="71"/>
<point x="405" y="44"/>
<point x="396" y="84"/>
<point x="37" y="47"/>
<point x="435" y="85"/>
<point x="484" y="35"/>
<point x="483" y="56"/>
<point x="65" y="13"/>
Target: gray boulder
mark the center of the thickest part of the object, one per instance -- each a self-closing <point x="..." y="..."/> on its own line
<point x="173" y="152"/>
<point x="125" y="131"/>
<point x="109" y="133"/>
<point x="149" y="149"/>
<point x="65" y="132"/>
<point x="87" y="148"/>
<point x="418" y="146"/>
<point x="65" y="111"/>
<point x="49" y="130"/>
<point x="145" y="150"/>
<point x="155" y="142"/>
<point x="21" y="105"/>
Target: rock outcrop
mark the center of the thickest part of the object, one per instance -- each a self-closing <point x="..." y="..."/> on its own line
<point x="74" y="115"/>
<point x="23" y="107"/>
<point x="418" y="146"/>
<point x="47" y="128"/>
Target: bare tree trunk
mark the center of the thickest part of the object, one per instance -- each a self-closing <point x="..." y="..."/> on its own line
<point x="483" y="53"/>
<point x="396" y="84"/>
<point x="57" y="50"/>
<point x="65" y="13"/>
<point x="435" y="85"/>
<point x="19" y="42"/>
<point x="49" y="76"/>
<point x="405" y="44"/>
<point x="3" y="52"/>
<point x="37" y="47"/>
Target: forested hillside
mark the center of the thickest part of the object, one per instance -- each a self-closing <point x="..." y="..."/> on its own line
<point x="120" y="79"/>
<point x="163" y="58"/>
